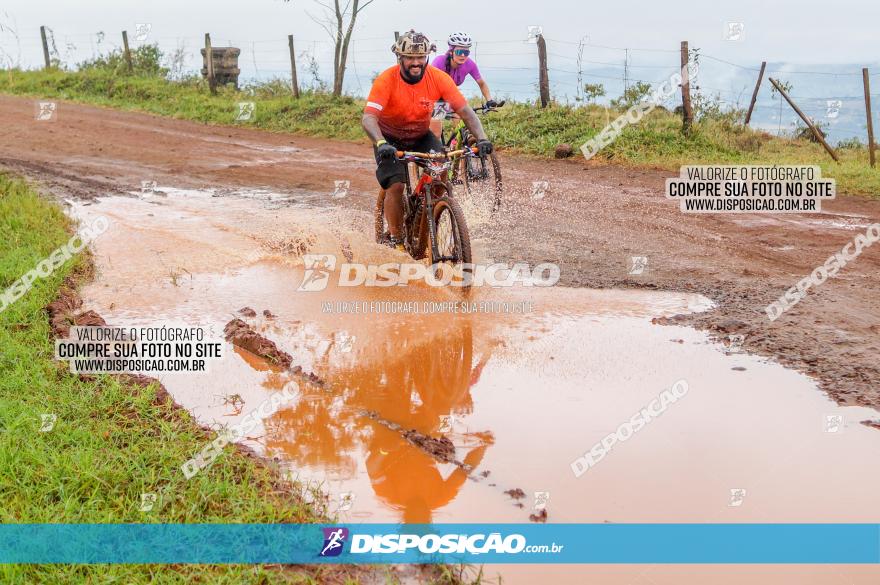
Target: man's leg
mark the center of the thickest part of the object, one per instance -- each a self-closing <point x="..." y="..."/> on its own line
<point x="391" y="175"/>
<point x="394" y="209"/>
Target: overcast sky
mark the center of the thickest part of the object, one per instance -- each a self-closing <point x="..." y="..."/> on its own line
<point x="818" y="46"/>
<point x="804" y="31"/>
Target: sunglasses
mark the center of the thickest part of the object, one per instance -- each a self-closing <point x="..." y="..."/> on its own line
<point x="462" y="52"/>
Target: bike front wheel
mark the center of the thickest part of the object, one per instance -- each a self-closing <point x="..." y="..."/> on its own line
<point x="453" y="243"/>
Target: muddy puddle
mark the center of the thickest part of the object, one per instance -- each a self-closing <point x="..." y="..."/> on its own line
<point x="518" y="388"/>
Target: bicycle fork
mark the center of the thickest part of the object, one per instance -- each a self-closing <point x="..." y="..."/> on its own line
<point x="425" y="185"/>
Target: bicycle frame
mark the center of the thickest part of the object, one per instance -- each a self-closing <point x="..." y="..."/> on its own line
<point x="458" y="132"/>
<point x="431" y="173"/>
<point x="461" y="133"/>
<point x="461" y="128"/>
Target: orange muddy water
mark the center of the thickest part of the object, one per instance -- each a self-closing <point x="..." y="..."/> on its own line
<point x="522" y="380"/>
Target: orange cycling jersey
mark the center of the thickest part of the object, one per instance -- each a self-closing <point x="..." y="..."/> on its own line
<point x="404" y="110"/>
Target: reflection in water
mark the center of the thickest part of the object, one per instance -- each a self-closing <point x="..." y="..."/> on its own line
<point x="419" y="386"/>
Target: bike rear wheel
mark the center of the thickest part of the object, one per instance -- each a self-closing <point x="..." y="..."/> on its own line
<point x="483" y="175"/>
<point x="382" y="233"/>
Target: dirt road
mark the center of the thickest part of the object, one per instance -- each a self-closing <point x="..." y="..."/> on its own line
<point x="591" y="221"/>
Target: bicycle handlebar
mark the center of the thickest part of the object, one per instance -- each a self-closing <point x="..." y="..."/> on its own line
<point x="485" y="108"/>
<point x="436" y="155"/>
<point x="480" y="109"/>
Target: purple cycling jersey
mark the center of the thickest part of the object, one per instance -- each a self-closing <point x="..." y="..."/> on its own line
<point x="459" y="73"/>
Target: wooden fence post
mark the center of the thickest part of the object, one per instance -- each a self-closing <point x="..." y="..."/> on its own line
<point x="127" y="51"/>
<point x="293" y="81"/>
<point x="755" y="93"/>
<point x="45" y="47"/>
<point x="209" y="63"/>
<point x="804" y="117"/>
<point x="868" y="112"/>
<point x="687" y="109"/>
<point x="543" y="78"/>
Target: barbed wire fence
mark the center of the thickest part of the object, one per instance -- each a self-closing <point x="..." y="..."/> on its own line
<point x="833" y="98"/>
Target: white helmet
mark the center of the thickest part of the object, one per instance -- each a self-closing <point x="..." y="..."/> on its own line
<point x="460" y="39"/>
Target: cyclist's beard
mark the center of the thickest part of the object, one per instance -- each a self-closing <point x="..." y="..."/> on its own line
<point x="411" y="78"/>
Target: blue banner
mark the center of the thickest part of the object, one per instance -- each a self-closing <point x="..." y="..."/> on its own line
<point x="442" y="543"/>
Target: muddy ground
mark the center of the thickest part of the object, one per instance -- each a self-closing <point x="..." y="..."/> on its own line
<point x="591" y="220"/>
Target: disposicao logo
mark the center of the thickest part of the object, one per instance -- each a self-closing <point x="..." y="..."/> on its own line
<point x="334" y="541"/>
<point x="317" y="273"/>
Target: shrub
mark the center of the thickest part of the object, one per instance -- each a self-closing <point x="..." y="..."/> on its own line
<point x="852" y="143"/>
<point x="145" y="60"/>
<point x="632" y="95"/>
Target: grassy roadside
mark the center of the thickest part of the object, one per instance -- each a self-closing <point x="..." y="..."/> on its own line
<point x="656" y="141"/>
<point x="110" y="442"/>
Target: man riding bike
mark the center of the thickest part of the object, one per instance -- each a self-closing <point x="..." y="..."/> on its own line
<point x="398" y="115"/>
<point x="456" y="62"/>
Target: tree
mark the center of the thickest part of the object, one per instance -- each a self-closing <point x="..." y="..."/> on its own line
<point x="632" y="95"/>
<point x="774" y="94"/>
<point x="338" y="22"/>
<point x="593" y="91"/>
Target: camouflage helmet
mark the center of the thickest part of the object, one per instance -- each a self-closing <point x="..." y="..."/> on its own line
<point x="413" y="44"/>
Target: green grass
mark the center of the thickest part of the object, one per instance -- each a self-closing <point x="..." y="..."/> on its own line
<point x="110" y="443"/>
<point x="656" y="141"/>
<point x="314" y="114"/>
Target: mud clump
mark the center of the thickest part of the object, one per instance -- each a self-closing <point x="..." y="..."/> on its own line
<point x="64" y="313"/>
<point x="539" y="517"/>
<point x="563" y="151"/>
<point x="268" y="314"/>
<point x="439" y="448"/>
<point x="142" y="382"/>
<point x="729" y="326"/>
<point x="240" y="334"/>
<point x="516" y="494"/>
<point x="89" y="319"/>
<point x="247" y="312"/>
<point x="308" y="377"/>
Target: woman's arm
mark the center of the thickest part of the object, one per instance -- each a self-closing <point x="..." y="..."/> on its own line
<point x="484" y="87"/>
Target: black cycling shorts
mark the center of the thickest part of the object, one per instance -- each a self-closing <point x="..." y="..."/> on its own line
<point x="394" y="171"/>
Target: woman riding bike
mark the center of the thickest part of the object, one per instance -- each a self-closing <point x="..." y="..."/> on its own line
<point x="456" y="62"/>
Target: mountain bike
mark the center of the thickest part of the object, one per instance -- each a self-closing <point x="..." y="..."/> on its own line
<point x="433" y="222"/>
<point x="474" y="171"/>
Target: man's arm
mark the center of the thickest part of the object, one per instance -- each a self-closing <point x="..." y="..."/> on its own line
<point x="472" y="122"/>
<point x="370" y="122"/>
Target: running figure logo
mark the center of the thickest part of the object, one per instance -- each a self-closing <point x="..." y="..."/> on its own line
<point x="46" y="111"/>
<point x="832" y="109"/>
<point x="142" y="31"/>
<point x="318" y="269"/>
<point x="638" y="265"/>
<point x="334" y="541"/>
<point x="341" y="189"/>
